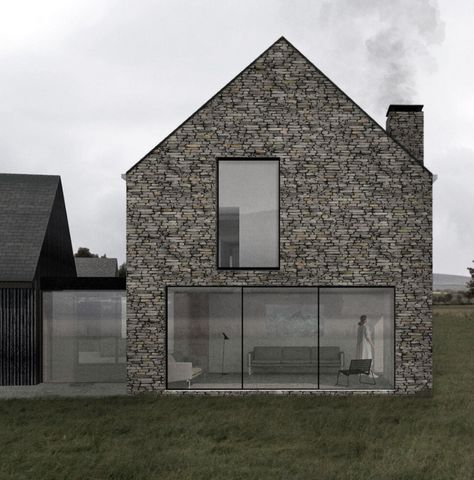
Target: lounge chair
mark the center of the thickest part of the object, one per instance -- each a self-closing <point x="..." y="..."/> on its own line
<point x="358" y="367"/>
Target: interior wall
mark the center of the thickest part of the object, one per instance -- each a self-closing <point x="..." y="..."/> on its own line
<point x="196" y="323"/>
<point x="225" y="317"/>
<point x="258" y="234"/>
<point x="287" y="317"/>
<point x="191" y="328"/>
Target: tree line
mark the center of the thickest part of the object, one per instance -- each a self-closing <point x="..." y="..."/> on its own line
<point x="443" y="297"/>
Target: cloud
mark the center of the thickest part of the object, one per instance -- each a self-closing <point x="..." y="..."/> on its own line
<point x="453" y="226"/>
<point x="87" y="88"/>
<point x="30" y="25"/>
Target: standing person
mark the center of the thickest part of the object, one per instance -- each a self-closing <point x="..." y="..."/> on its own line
<point x="365" y="345"/>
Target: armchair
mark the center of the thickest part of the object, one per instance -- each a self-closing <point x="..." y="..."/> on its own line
<point x="182" y="371"/>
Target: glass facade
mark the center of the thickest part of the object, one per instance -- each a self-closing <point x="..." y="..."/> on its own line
<point x="280" y="338"/>
<point x="360" y="321"/>
<point x="248" y="219"/>
<point x="84" y="336"/>
<point x="204" y="337"/>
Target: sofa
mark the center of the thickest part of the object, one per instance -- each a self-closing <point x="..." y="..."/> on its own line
<point x="267" y="359"/>
<point x="182" y="371"/>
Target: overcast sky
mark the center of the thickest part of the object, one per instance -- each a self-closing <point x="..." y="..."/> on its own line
<point x="88" y="87"/>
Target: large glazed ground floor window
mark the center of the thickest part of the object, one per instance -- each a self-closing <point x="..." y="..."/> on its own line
<point x="84" y="336"/>
<point x="204" y="337"/>
<point x="280" y="338"/>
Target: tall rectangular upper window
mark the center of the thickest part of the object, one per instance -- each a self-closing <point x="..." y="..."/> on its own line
<point x="248" y="220"/>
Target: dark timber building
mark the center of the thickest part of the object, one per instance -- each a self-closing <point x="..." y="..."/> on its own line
<point x="55" y="326"/>
<point x="34" y="243"/>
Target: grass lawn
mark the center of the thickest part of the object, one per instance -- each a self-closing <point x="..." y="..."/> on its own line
<point x="256" y="437"/>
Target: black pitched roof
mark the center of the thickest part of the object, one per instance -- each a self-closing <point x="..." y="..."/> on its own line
<point x="273" y="45"/>
<point x="26" y="203"/>
<point x="96" y="267"/>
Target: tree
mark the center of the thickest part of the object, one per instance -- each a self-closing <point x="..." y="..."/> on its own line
<point x="122" y="273"/>
<point x="470" y="284"/>
<point x="83" y="252"/>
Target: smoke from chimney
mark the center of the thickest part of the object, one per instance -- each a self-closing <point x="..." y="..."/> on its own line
<point x="401" y="47"/>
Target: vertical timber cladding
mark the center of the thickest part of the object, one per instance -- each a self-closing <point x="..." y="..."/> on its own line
<point x="20" y="337"/>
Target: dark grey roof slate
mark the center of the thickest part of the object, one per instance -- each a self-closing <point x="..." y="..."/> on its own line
<point x="26" y="202"/>
<point x="96" y="267"/>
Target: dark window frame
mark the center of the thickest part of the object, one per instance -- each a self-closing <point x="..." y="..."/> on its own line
<point x="250" y="159"/>
<point x="242" y="287"/>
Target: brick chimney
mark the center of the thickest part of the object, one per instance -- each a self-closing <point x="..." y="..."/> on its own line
<point x="405" y="124"/>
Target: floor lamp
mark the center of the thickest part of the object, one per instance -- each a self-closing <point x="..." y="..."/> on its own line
<point x="224" y="338"/>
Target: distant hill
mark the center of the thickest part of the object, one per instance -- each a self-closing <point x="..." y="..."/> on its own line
<point x="441" y="281"/>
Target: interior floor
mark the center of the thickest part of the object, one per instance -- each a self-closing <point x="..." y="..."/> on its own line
<point x="215" y="381"/>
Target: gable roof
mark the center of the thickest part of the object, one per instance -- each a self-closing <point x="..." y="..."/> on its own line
<point x="282" y="39"/>
<point x="26" y="203"/>
<point x="96" y="267"/>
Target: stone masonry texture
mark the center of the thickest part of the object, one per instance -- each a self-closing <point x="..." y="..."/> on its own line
<point x="355" y="209"/>
<point x="407" y="128"/>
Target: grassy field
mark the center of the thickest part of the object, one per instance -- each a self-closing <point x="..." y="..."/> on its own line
<point x="256" y="437"/>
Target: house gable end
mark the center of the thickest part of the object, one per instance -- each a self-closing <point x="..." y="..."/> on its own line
<point x="273" y="73"/>
<point x="56" y="258"/>
<point x="355" y="210"/>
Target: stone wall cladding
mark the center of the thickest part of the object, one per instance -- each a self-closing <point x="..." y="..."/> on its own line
<point x="355" y="209"/>
<point x="408" y="129"/>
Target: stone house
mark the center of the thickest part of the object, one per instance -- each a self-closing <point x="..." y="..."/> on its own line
<point x="280" y="240"/>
